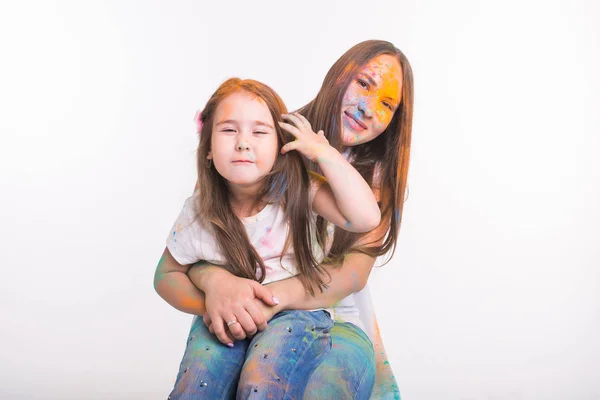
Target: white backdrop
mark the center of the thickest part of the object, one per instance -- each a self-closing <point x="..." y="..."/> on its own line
<point x="493" y="291"/>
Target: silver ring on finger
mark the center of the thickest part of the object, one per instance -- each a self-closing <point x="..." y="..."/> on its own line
<point x="233" y="321"/>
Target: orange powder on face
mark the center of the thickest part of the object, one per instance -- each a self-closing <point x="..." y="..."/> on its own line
<point x="227" y="110"/>
<point x="389" y="87"/>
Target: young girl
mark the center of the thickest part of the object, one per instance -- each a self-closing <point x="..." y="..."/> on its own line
<point x="253" y="217"/>
<point x="372" y="84"/>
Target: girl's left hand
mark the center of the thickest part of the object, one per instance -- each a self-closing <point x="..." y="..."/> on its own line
<point x="307" y="142"/>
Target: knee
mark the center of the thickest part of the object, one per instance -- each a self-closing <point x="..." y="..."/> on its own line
<point x="256" y="384"/>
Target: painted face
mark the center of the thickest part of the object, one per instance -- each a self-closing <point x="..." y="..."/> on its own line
<point x="244" y="141"/>
<point x="371" y="100"/>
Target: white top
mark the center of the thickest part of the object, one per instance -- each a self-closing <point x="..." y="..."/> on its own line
<point x="190" y="240"/>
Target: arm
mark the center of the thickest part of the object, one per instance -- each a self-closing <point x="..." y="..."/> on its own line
<point x="350" y="277"/>
<point x="346" y="199"/>
<point x="172" y="283"/>
<point x="175" y="287"/>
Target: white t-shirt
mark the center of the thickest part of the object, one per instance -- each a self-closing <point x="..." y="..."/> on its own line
<point x="190" y="241"/>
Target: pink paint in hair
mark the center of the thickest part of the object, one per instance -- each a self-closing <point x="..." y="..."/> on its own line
<point x="198" y="121"/>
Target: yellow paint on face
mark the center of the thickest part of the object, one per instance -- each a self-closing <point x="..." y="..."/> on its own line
<point x="386" y="72"/>
<point x="373" y="96"/>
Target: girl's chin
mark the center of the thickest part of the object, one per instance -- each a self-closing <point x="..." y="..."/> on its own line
<point x="350" y="138"/>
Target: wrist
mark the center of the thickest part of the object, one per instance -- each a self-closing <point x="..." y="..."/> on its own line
<point x="326" y="153"/>
<point x="288" y="292"/>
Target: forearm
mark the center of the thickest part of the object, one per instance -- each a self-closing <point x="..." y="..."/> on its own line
<point x="350" y="278"/>
<point x="177" y="289"/>
<point x="353" y="196"/>
<point x="185" y="291"/>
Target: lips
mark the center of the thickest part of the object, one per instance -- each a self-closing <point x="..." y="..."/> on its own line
<point x="360" y="125"/>
<point x="243" y="162"/>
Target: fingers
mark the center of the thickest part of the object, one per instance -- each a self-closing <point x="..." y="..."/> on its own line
<point x="207" y="320"/>
<point x="236" y="330"/>
<point x="303" y="120"/>
<point x="290" y="146"/>
<point x="245" y="325"/>
<point x="257" y="316"/>
<point x="290" y="128"/>
<point x="218" y="326"/>
<point x="263" y="293"/>
<point x="212" y="331"/>
<point x="294" y="119"/>
<point x="298" y="120"/>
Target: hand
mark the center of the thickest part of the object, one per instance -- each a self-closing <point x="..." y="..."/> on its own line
<point x="307" y="142"/>
<point x="268" y="312"/>
<point x="230" y="298"/>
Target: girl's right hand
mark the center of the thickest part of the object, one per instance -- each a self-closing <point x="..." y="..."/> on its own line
<point x="230" y="298"/>
<point x="310" y="144"/>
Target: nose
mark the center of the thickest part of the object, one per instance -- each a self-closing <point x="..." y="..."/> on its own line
<point x="365" y="108"/>
<point x="242" y="145"/>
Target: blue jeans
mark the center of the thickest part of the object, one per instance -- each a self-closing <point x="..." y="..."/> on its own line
<point x="275" y="364"/>
<point x="209" y="369"/>
<point x="348" y="369"/>
<point x="281" y="359"/>
<point x="294" y="357"/>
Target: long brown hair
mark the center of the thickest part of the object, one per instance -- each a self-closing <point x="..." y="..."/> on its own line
<point x="287" y="184"/>
<point x="390" y="150"/>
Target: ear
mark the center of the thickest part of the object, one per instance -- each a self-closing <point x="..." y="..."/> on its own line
<point x="209" y="156"/>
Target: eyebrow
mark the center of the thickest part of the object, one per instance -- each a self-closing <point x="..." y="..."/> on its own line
<point x="233" y="121"/>
<point x="373" y="83"/>
<point x="369" y="78"/>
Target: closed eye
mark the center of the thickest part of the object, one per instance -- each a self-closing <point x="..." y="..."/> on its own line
<point x="388" y="105"/>
<point x="261" y="133"/>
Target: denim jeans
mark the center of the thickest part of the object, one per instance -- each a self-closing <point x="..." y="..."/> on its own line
<point x="348" y="369"/>
<point x="275" y="362"/>
<point x="209" y="369"/>
<point x="281" y="359"/>
<point x="293" y="357"/>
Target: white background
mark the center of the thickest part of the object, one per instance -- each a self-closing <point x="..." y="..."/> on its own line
<point x="493" y="291"/>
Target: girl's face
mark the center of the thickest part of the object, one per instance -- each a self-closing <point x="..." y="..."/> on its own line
<point x="371" y="100"/>
<point x="244" y="140"/>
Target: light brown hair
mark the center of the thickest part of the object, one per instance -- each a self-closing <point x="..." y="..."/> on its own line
<point x="390" y="151"/>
